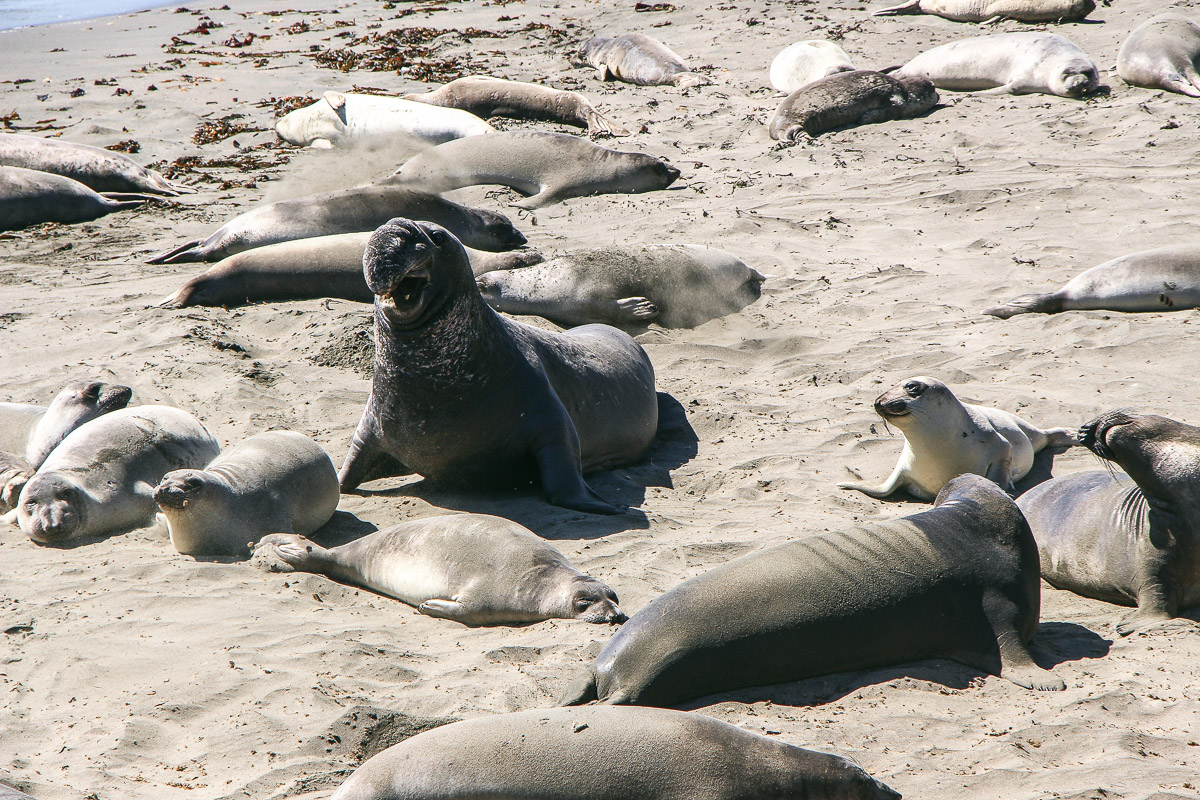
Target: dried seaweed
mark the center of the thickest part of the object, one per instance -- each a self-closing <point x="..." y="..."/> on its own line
<point x="217" y="130"/>
<point x="125" y="146"/>
<point x="407" y="51"/>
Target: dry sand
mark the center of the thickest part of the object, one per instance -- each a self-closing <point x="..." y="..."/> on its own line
<point x="128" y="671"/>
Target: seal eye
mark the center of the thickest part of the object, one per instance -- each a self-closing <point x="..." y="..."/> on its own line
<point x="582" y="603"/>
<point x="914" y="389"/>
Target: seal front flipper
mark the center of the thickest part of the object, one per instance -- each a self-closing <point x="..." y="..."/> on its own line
<point x="1154" y="608"/>
<point x="546" y="197"/>
<point x="1018" y="666"/>
<point x="581" y="690"/>
<point x="600" y="125"/>
<point x="632" y="310"/>
<point x="445" y="609"/>
<point x="895" y="482"/>
<point x="367" y="460"/>
<point x="562" y="480"/>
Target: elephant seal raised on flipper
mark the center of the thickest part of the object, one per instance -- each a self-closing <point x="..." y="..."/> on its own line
<point x="1132" y="540"/>
<point x="959" y="581"/>
<point x="96" y="168"/>
<point x="636" y="58"/>
<point x="344" y="120"/>
<point x="858" y="97"/>
<point x="1162" y="53"/>
<point x="463" y="395"/>
<point x="987" y="10"/>
<point x="29" y="197"/>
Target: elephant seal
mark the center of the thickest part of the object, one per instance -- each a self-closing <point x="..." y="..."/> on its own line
<point x="636" y="58"/>
<point x="1162" y="53"/>
<point x="1165" y="279"/>
<point x="9" y="793"/>
<point x="464" y="395"/>
<point x="676" y="285"/>
<point x="356" y="210"/>
<point x="959" y="581"/>
<point x="471" y="568"/>
<point x="1008" y="63"/>
<point x="347" y="120"/>
<point x="1132" y="540"/>
<point x="495" y="97"/>
<point x="988" y="10"/>
<point x="101" y="478"/>
<point x="550" y="167"/>
<point x="799" y="64"/>
<point x="96" y="168"/>
<point x="29" y="197"/>
<point x="945" y="437"/>
<point x="845" y="99"/>
<point x="276" y="481"/>
<point x="306" y="269"/>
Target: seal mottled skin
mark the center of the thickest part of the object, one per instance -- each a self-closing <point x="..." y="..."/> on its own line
<point x="29" y="197"/>
<point x="858" y="97"/>
<point x="1162" y="53"/>
<point x="605" y="753"/>
<point x="96" y="168"/>
<point x="463" y="395"/>
<point x="636" y="58"/>
<point x="471" y="568"/>
<point x="988" y="10"/>
<point x="1129" y="539"/>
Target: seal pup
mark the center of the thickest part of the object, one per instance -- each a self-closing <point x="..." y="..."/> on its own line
<point x="636" y="58"/>
<point x="550" y="167"/>
<point x="96" y="168"/>
<point x="676" y="285"/>
<point x="464" y="395"/>
<point x="1128" y="539"/>
<point x="959" y="582"/>
<point x="471" y="568"/>
<point x="1164" y="279"/>
<point x="990" y="10"/>
<point x="306" y="269"/>
<point x="799" y="64"/>
<point x="1008" y="63"/>
<point x="276" y="481"/>
<point x="29" y="197"/>
<point x="345" y="120"/>
<point x="605" y="753"/>
<point x="101" y="478"/>
<point x="945" y="437"/>
<point x="845" y="99"/>
<point x="355" y="210"/>
<point x="487" y="97"/>
<point x="1162" y="53"/>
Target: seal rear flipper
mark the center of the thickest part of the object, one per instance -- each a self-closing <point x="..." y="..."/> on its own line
<point x="1027" y="304"/>
<point x="690" y="80"/>
<point x="176" y="256"/>
<point x="581" y="690"/>
<point x="119" y="201"/>
<point x="599" y="125"/>
<point x="911" y="7"/>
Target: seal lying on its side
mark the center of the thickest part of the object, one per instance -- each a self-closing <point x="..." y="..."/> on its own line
<point x="471" y="568"/>
<point x="676" y="285"/>
<point x="487" y="97"/>
<point x="345" y="120"/>
<point x="1162" y="53"/>
<point x="276" y="481"/>
<point x="551" y="167"/>
<point x="859" y="97"/>
<point x="987" y="10"/>
<point x="96" y="168"/>
<point x="636" y="58"/>
<point x="355" y="210"/>
<point x="1008" y="63"/>
<point x="29" y="197"/>
<point x="1165" y="279"/>
<point x="799" y="64"/>
<point x="307" y="269"/>
<point x="957" y="582"/>
<point x="1133" y="542"/>
<point x="945" y="437"/>
<point x="465" y="395"/>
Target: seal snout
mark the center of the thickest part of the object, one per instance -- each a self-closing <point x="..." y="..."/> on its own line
<point x="1094" y="434"/>
<point x="176" y="492"/>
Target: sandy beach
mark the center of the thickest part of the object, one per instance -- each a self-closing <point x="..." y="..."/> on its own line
<point x="128" y="671"/>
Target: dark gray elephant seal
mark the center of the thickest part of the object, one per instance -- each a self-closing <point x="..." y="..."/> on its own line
<point x="858" y="97"/>
<point x="29" y="197"/>
<point x="988" y="10"/>
<point x="273" y="482"/>
<point x="676" y="285"/>
<point x="471" y="568"/>
<point x="307" y="269"/>
<point x="488" y="97"/>
<point x="464" y="395"/>
<point x="96" y="168"/>
<point x="550" y="167"/>
<point x="604" y="753"/>
<point x="1162" y="53"/>
<point x="1165" y="279"/>
<point x="957" y="582"/>
<point x="356" y="210"/>
<point x="1132" y="540"/>
<point x="636" y="58"/>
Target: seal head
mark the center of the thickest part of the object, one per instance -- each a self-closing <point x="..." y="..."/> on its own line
<point x="180" y="489"/>
<point x="593" y="601"/>
<point x="50" y="509"/>
<point x="413" y="270"/>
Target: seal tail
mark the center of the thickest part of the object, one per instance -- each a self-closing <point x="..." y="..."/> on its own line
<point x="1027" y="304"/>
<point x="117" y="201"/>
<point x="911" y="7"/>
<point x="183" y="253"/>
<point x="161" y="185"/>
<point x="581" y="690"/>
<point x="600" y="125"/>
<point x="1186" y="84"/>
<point x="1059" y="440"/>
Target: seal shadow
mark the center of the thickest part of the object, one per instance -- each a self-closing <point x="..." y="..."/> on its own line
<point x="1040" y="472"/>
<point x="342" y="528"/>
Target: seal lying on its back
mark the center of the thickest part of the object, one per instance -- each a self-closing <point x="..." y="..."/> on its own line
<point x="96" y="168"/>
<point x="958" y="582"/>
<point x="276" y="481"/>
<point x="355" y="210"/>
<point x="1133" y="542"/>
<point x="636" y="58"/>
<point x="859" y="97"/>
<point x="799" y="64"/>
<point x="1162" y="53"/>
<point x="464" y="395"/>
<point x="345" y="120"/>
<point x="101" y="478"/>
<point x="1166" y="279"/>
<point x="495" y="97"/>
<point x="472" y="568"/>
<point x="987" y="10"/>
<point x="676" y="285"/>
<point x="549" y="166"/>
<point x="944" y="437"/>
<point x="29" y="197"/>
<point x="1008" y="63"/>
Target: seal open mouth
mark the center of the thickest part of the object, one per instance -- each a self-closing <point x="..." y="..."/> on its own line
<point x="407" y="294"/>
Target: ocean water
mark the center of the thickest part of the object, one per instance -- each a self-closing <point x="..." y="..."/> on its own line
<point x="20" y="13"/>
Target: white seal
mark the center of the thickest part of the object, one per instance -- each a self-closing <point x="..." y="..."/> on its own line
<point x="346" y="120"/>
<point x="1162" y="53"/>
<point x="802" y="63"/>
